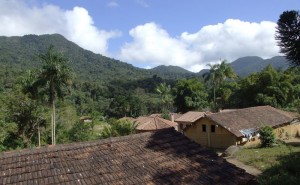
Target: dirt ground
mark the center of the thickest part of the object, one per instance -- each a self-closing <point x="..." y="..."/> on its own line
<point x="249" y="169"/>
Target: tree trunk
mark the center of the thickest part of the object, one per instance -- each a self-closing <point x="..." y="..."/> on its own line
<point x="39" y="135"/>
<point x="53" y="112"/>
<point x="215" y="106"/>
<point x="52" y="135"/>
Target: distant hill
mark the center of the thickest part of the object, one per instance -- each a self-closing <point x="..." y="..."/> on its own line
<point x="171" y="72"/>
<point x="21" y="53"/>
<point x="247" y="65"/>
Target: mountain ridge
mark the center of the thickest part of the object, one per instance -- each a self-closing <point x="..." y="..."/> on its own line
<point x="245" y="66"/>
<point x="21" y="53"/>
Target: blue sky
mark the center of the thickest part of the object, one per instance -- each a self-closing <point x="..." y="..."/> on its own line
<point x="147" y="33"/>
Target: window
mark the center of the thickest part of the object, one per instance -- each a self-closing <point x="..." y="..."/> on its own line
<point x="213" y="128"/>
<point x="203" y="128"/>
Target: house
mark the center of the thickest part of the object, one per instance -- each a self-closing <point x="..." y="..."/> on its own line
<point x="161" y="157"/>
<point x="173" y="116"/>
<point x="152" y="123"/>
<point x="240" y="127"/>
<point x="189" y="118"/>
<point x="86" y="119"/>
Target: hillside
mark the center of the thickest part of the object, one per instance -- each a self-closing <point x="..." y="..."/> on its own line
<point x="21" y="53"/>
<point x="247" y="65"/>
<point x="170" y="72"/>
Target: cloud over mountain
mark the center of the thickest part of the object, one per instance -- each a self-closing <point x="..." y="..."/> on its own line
<point x="230" y="40"/>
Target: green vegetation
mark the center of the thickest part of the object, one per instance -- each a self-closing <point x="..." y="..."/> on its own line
<point x="54" y="75"/>
<point x="190" y="95"/>
<point x="35" y="85"/>
<point x="216" y="77"/>
<point x="267" y="136"/>
<point x="280" y="164"/>
<point x="288" y="31"/>
<point x="118" y="128"/>
<point x="166" y="97"/>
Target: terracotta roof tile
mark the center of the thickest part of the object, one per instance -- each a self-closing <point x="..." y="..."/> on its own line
<point x="190" y="117"/>
<point x="151" y="123"/>
<point x="253" y="117"/>
<point x="161" y="157"/>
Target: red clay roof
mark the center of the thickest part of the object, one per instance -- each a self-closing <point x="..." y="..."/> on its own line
<point x="162" y="157"/>
<point x="251" y="118"/>
<point x="150" y="123"/>
<point x="190" y="117"/>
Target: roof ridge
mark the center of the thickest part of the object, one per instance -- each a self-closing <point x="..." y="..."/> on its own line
<point x="83" y="144"/>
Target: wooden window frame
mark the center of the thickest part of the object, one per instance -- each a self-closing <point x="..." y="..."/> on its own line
<point x="213" y="128"/>
<point x="203" y="127"/>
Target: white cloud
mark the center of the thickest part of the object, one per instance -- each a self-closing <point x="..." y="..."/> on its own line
<point x="153" y="45"/>
<point x="19" y="18"/>
<point x="142" y="3"/>
<point x="112" y="4"/>
<point x="229" y="40"/>
<point x="148" y="67"/>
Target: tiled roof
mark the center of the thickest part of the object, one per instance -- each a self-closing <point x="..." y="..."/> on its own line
<point x="162" y="157"/>
<point x="176" y="115"/>
<point x="190" y="117"/>
<point x="251" y="118"/>
<point x="150" y="123"/>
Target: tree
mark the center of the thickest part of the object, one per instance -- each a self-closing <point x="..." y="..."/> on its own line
<point x="217" y="74"/>
<point x="118" y="128"/>
<point x="27" y="114"/>
<point x="81" y="132"/>
<point x="267" y="136"/>
<point x="52" y="78"/>
<point x="190" y="95"/>
<point x="288" y="35"/>
<point x="6" y="130"/>
<point x="164" y="92"/>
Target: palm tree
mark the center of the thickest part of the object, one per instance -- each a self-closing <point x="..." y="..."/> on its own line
<point x="164" y="91"/>
<point x="54" y="75"/>
<point x="217" y="74"/>
<point x="29" y="87"/>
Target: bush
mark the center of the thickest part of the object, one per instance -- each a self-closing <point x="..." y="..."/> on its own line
<point x="81" y="132"/>
<point x="118" y="128"/>
<point x="267" y="136"/>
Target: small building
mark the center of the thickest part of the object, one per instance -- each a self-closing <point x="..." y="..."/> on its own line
<point x="240" y="127"/>
<point x="86" y="119"/>
<point x="153" y="123"/>
<point x="189" y="118"/>
<point x="161" y="157"/>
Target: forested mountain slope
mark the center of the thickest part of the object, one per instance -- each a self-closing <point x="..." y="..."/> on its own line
<point x="21" y="53"/>
<point x="245" y="66"/>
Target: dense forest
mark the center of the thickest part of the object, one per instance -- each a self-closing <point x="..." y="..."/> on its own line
<point x="105" y="90"/>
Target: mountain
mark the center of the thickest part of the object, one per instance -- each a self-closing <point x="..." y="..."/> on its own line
<point x="171" y="72"/>
<point x="18" y="54"/>
<point x="21" y="53"/>
<point x="247" y="65"/>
